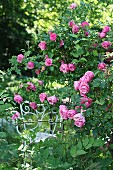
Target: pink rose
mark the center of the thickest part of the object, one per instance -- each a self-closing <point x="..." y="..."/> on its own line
<point x="71" y="67"/>
<point x="90" y="74"/>
<point x="101" y="66"/>
<point x="106" y="44"/>
<point x="71" y="113"/>
<point x="86" y="33"/>
<point x="16" y="115"/>
<point x="64" y="68"/>
<point x="30" y="65"/>
<point x="48" y="61"/>
<point x="79" y="120"/>
<point x="75" y="28"/>
<point x="37" y="71"/>
<point x="31" y="86"/>
<point x="71" y="23"/>
<point x="42" y="45"/>
<point x="53" y="36"/>
<point x="42" y="97"/>
<point x="101" y="34"/>
<point x="73" y="6"/>
<point x="41" y="82"/>
<point x="106" y="29"/>
<point x="83" y="88"/>
<point x="52" y="100"/>
<point x="33" y="105"/>
<point x="61" y="43"/>
<point x="20" y="58"/>
<point x="63" y="110"/>
<point x="76" y="85"/>
<point x="87" y="101"/>
<point x="18" y="99"/>
<point x="83" y="24"/>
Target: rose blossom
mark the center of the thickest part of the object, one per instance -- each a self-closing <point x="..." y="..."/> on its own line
<point x="73" y="6"/>
<point x="75" y="28"/>
<point x="52" y="100"/>
<point x="20" y="58"/>
<point x="41" y="82"/>
<point x="53" y="36"/>
<point x="61" y="43"/>
<point x="106" y="44"/>
<point x="71" y="67"/>
<point x="101" y="66"/>
<point x="42" y="97"/>
<point x="84" y="23"/>
<point x="87" y="101"/>
<point x="101" y="34"/>
<point x="90" y="74"/>
<point x="30" y="65"/>
<point x="48" y="61"/>
<point x="18" y="99"/>
<point x="71" y="113"/>
<point x="37" y="71"/>
<point x="42" y="45"/>
<point x="83" y="88"/>
<point x="16" y="115"/>
<point x="79" y="120"/>
<point x="76" y="85"/>
<point x="106" y="29"/>
<point x="71" y="23"/>
<point x="86" y="33"/>
<point x="63" y="110"/>
<point x="33" y="105"/>
<point x="31" y="86"/>
<point x="64" y="68"/>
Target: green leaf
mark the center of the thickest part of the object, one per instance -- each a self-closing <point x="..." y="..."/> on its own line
<point x="80" y="152"/>
<point x="1" y="102"/>
<point x="98" y="142"/>
<point x="79" y="145"/>
<point x="3" y="135"/>
<point x="85" y="142"/>
<point x="83" y="60"/>
<point x="73" y="151"/>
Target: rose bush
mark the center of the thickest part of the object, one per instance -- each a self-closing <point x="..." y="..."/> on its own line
<point x="74" y="56"/>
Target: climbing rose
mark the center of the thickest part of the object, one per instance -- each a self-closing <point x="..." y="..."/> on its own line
<point x="83" y="88"/>
<point x="83" y="24"/>
<point x="101" y="34"/>
<point x="42" y="97"/>
<point x="87" y="101"/>
<point x="16" y="115"/>
<point x="71" y="113"/>
<point x="79" y="120"/>
<point x="30" y="65"/>
<point x="41" y="82"/>
<point x="86" y="33"/>
<point x="31" y="86"/>
<point x="90" y="74"/>
<point x="18" y="99"/>
<point x="76" y="85"/>
<point x="63" y="110"/>
<point x="37" y="71"/>
<point x="20" y="58"/>
<point x="48" y="61"/>
<point x="106" y="29"/>
<point x="71" y="23"/>
<point x="75" y="28"/>
<point x="101" y="66"/>
<point x="52" y="100"/>
<point x="106" y="44"/>
<point x="42" y="45"/>
<point x="71" y="67"/>
<point x="61" y="43"/>
<point x="73" y="6"/>
<point x="33" y="105"/>
<point x="53" y="36"/>
<point x="64" y="68"/>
